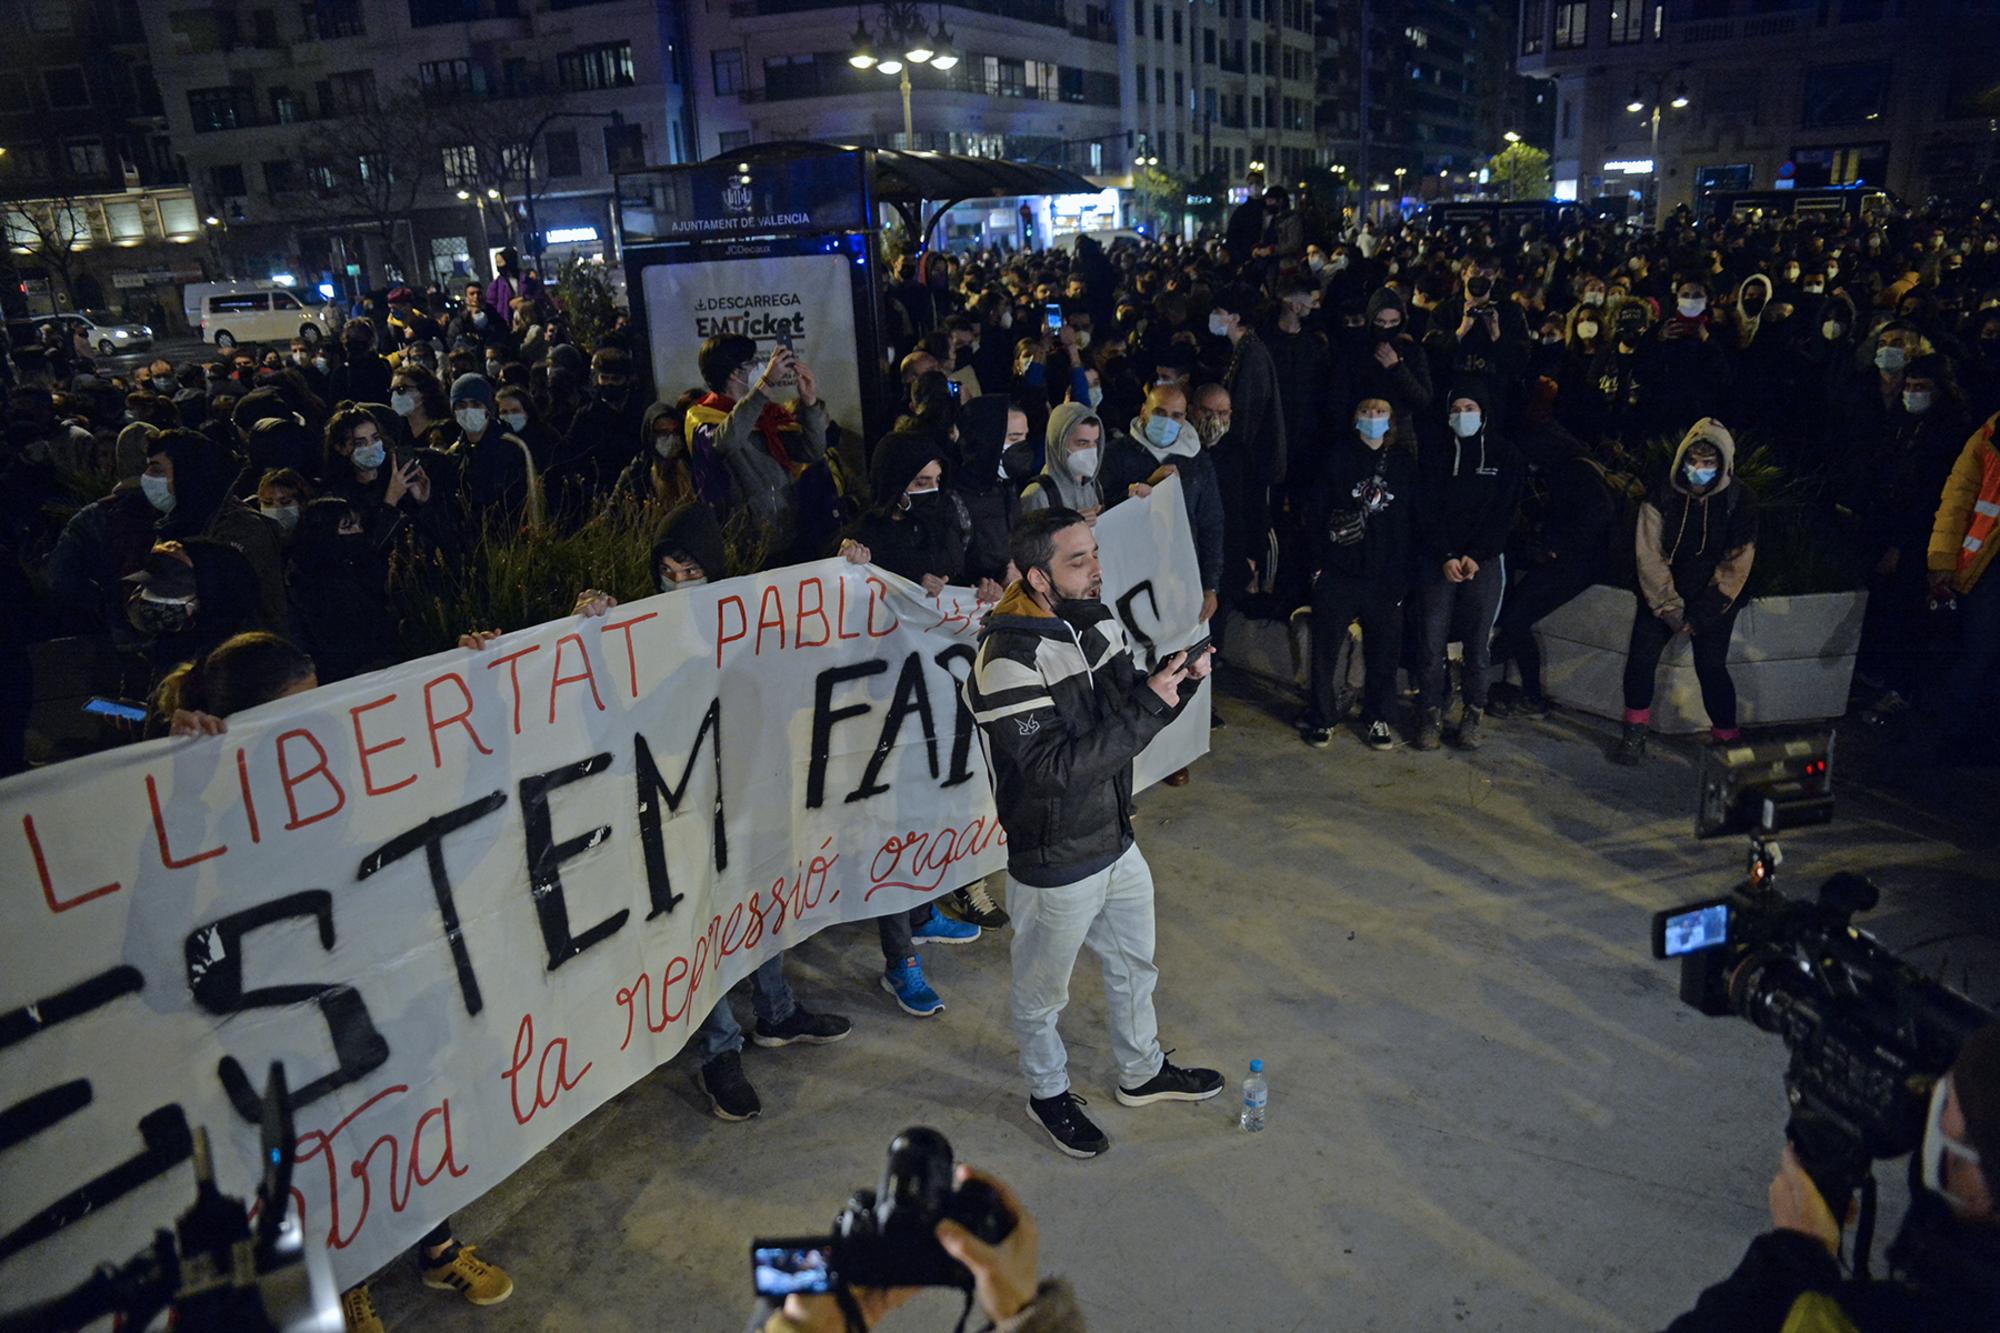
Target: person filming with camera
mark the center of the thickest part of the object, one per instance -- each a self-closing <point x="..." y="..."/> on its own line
<point x="1944" y="1262"/>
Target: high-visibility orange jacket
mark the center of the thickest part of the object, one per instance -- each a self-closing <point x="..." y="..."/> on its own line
<point x="1966" y="531"/>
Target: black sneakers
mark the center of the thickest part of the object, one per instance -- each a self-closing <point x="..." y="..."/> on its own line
<point x="1631" y="748"/>
<point x="730" y="1095"/>
<point x="973" y="903"/>
<point x="1062" y="1116"/>
<point x="1173" y="1084"/>
<point x="808" y="1028"/>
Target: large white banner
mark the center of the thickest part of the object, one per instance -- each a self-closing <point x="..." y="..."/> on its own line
<point x="467" y="900"/>
<point x="806" y="298"/>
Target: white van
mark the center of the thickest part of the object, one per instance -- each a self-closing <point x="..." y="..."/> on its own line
<point x="261" y="315"/>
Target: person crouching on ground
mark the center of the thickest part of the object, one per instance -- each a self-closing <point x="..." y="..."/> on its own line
<point x="1696" y="540"/>
<point x="1064" y="711"/>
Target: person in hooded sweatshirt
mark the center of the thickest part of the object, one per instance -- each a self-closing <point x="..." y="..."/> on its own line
<point x="750" y="449"/>
<point x="988" y="427"/>
<point x="1696" y="541"/>
<point x="188" y="478"/>
<point x="917" y="530"/>
<point x="1068" y="479"/>
<point x="1469" y="487"/>
<point x="339" y="592"/>
<point x="1361" y="512"/>
<point x="1392" y="367"/>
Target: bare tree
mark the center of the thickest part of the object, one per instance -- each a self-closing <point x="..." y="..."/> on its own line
<point x="499" y="160"/>
<point x="375" y="162"/>
<point x="46" y="209"/>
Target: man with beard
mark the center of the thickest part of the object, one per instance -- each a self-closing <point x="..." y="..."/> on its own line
<point x="1065" y="712"/>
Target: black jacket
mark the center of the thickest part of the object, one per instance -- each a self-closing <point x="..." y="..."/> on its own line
<point x="1468" y="491"/>
<point x="1127" y="461"/>
<point x="1946" y="1275"/>
<point x="1064" y="712"/>
<point x="1349" y="482"/>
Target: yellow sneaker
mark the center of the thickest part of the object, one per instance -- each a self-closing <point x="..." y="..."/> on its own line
<point x="461" y="1271"/>
<point x="357" y="1307"/>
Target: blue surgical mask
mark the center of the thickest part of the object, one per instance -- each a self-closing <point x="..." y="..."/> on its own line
<point x="1890" y="359"/>
<point x="370" y="455"/>
<point x="1465" y="425"/>
<point x="1096" y="396"/>
<point x="1372" y="428"/>
<point x="159" y="493"/>
<point x="1162" y="431"/>
<point x="1699" y="477"/>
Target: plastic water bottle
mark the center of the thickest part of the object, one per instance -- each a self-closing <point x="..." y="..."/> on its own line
<point x="1256" y="1095"/>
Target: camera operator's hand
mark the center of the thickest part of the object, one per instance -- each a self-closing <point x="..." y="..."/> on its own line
<point x="1796" y="1204"/>
<point x="821" y="1314"/>
<point x="1004" y="1275"/>
<point x="813" y="1313"/>
<point x="1166" y="682"/>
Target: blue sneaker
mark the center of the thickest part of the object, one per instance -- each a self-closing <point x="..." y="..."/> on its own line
<point x="914" y="996"/>
<point x="944" y="930"/>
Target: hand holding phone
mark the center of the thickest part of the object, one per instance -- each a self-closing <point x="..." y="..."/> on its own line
<point x="1052" y="317"/>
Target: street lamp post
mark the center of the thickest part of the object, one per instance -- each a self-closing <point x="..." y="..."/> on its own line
<point x="1639" y="104"/>
<point x="903" y="27"/>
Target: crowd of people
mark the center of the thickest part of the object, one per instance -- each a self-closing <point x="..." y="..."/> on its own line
<point x="1440" y="436"/>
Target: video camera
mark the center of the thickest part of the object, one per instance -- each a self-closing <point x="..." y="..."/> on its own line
<point x="216" y="1271"/>
<point x="887" y="1238"/>
<point x="1869" y="1034"/>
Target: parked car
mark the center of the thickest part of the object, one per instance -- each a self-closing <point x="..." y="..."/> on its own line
<point x="102" y="330"/>
<point x="261" y="315"/>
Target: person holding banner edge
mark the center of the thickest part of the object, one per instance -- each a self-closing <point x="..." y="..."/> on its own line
<point x="1064" y="712"/>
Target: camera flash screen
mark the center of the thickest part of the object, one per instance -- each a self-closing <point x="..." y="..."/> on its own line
<point x="1697" y="930"/>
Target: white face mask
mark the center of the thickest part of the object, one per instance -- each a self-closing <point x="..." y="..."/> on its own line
<point x="1890" y="359"/>
<point x="1464" y="424"/>
<point x="1832" y="329"/>
<point x="1586" y="329"/>
<point x="369" y="456"/>
<point x="285" y="516"/>
<point x="1937" y="1144"/>
<point x="403" y="402"/>
<point x="1082" y="339"/>
<point x="1095" y="396"/>
<point x="1691" y="306"/>
<point x="668" y="585"/>
<point x="322" y="365"/>
<point x="1593" y="298"/>
<point x="1083" y="463"/>
<point x="471" y="420"/>
<point x="515" y="420"/>
<point x="1916" y="403"/>
<point x="1219" y="325"/>
<point x="159" y="493"/>
<point x="1006" y="319"/>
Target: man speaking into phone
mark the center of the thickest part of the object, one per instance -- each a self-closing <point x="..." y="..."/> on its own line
<point x="1064" y="712"/>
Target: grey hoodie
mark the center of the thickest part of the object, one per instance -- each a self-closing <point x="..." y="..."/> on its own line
<point x="1056" y="486"/>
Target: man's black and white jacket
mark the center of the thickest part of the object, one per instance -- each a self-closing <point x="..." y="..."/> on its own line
<point x="1064" y="712"/>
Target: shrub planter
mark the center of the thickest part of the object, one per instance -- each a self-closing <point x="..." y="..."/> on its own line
<point x="1792" y="659"/>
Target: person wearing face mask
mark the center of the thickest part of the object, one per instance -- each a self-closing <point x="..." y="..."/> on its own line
<point x="475" y="320"/>
<point x="1069" y="476"/>
<point x="1478" y="336"/>
<point x="391" y="490"/>
<point x="189" y="479"/>
<point x="520" y="416"/>
<point x="1893" y="490"/>
<point x="419" y="402"/>
<point x="1164" y="443"/>
<point x="496" y="470"/>
<point x="1865" y="403"/>
<point x="280" y="493"/>
<point x="1390" y="366"/>
<point x="917" y="530"/>
<point x="1361" y="513"/>
<point x="1688" y="363"/>
<point x="185" y="598"/>
<point x="1468" y="492"/>
<point x="749" y="448"/>
<point x="1696" y="542"/>
<point x="603" y="436"/>
<point x="1944" y="1262"/>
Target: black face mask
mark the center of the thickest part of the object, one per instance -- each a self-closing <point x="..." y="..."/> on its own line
<point x="1019" y="460"/>
<point x="615" y="395"/>
<point x="1385" y="333"/>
